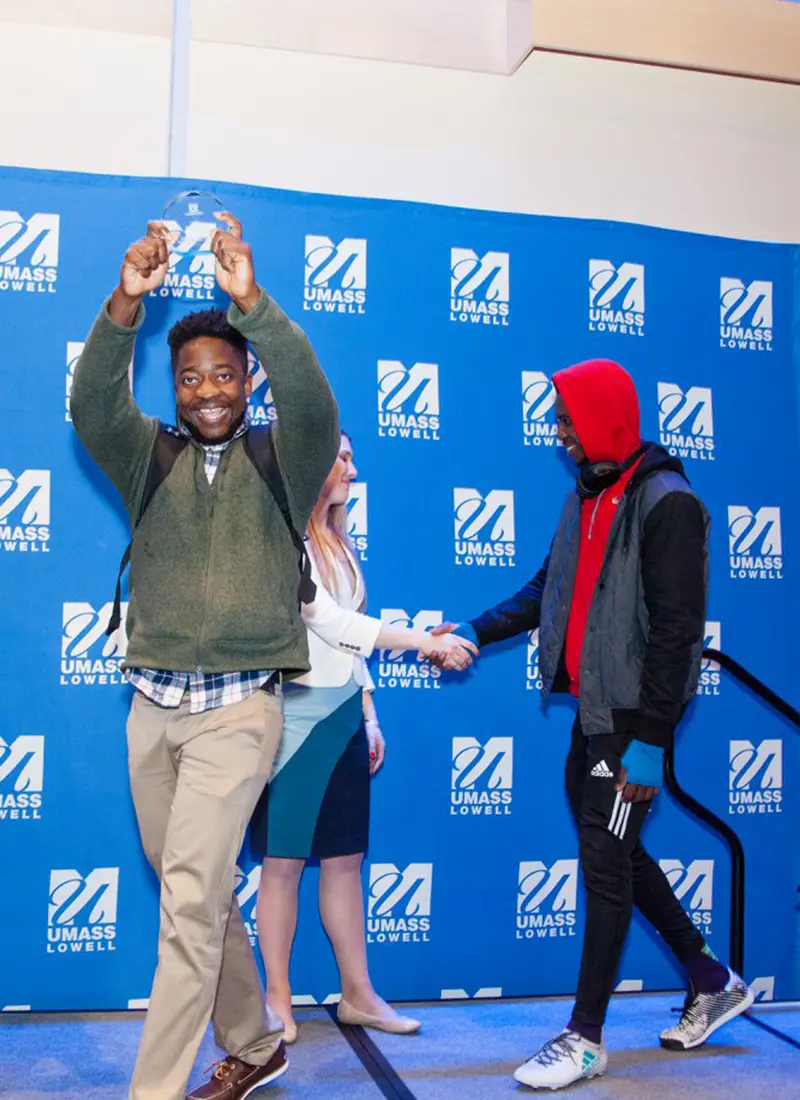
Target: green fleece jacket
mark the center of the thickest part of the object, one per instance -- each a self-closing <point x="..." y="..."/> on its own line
<point x="214" y="575"/>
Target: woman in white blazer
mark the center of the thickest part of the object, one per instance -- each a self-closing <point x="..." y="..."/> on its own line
<point x="317" y="801"/>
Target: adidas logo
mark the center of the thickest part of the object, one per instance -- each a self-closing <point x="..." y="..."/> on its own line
<point x="589" y="1060"/>
<point x="602" y="771"/>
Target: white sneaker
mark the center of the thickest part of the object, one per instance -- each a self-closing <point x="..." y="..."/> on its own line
<point x="563" y="1061"/>
<point x="703" y="1013"/>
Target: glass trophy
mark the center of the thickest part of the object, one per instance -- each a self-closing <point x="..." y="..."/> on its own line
<point x="190" y="219"/>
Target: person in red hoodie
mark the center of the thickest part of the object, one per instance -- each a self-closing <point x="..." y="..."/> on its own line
<point x="620" y="604"/>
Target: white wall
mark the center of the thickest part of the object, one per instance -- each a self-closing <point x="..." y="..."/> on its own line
<point x="565" y="135"/>
<point x="84" y="101"/>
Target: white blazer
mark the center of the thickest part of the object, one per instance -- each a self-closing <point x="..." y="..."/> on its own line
<point x="339" y="636"/>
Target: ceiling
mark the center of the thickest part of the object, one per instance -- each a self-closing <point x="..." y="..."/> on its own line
<point x="749" y="37"/>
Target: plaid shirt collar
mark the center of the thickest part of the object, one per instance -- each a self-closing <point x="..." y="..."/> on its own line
<point x="213" y="452"/>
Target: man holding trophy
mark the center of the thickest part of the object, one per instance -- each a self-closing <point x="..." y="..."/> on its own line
<point x="207" y="648"/>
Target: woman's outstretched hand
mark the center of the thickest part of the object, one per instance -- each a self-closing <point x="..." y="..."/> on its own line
<point x="449" y="651"/>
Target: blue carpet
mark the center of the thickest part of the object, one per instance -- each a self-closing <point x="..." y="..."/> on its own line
<point x="90" y="1057"/>
<point x="785" y="1018"/>
<point x="466" y="1051"/>
<point x="470" y="1050"/>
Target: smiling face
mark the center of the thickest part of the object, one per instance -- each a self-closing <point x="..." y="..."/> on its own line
<point x="567" y="433"/>
<point x="212" y="385"/>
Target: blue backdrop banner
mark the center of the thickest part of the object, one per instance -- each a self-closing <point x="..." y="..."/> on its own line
<point x="440" y="330"/>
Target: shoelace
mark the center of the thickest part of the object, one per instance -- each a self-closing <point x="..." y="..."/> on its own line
<point x="221" y="1068"/>
<point x="556" y="1049"/>
<point x="694" y="1009"/>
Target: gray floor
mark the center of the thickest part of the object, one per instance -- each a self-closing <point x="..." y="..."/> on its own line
<point x="466" y="1050"/>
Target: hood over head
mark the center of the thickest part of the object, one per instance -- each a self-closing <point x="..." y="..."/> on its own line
<point x="602" y="402"/>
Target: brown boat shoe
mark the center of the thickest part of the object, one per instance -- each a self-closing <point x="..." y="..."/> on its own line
<point x="234" y="1079"/>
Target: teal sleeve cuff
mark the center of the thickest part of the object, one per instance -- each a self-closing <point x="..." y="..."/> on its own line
<point x="467" y="630"/>
<point x="644" y="764"/>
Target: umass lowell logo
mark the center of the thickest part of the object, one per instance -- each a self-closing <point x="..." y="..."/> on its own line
<point x="479" y="287"/>
<point x="686" y="421"/>
<point x="398" y="669"/>
<point x="616" y="298"/>
<point x="399" y="903"/>
<point x="74" y="352"/>
<point x="408" y="400"/>
<point x="88" y="655"/>
<point x="28" y="252"/>
<point x="82" y="912"/>
<point x="755" y="543"/>
<point x="482" y="778"/>
<point x="357" y="518"/>
<point x="547" y="899"/>
<point x="745" y="315"/>
<point x="484" y="527"/>
<point x="710" y="676"/>
<point x="21" y="778"/>
<point x="756" y="777"/>
<point x="25" y="511"/>
<point x="335" y="275"/>
<point x="245" y="889"/>
<point x="260" y="404"/>
<point x="533" y="677"/>
<point x="693" y="886"/>
<point x="539" y="426"/>
<point x="191" y="263"/>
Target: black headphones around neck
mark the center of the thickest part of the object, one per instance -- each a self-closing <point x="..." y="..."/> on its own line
<point x="595" y="477"/>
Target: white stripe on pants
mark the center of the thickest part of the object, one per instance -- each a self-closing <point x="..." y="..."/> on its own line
<point x="618" y="822"/>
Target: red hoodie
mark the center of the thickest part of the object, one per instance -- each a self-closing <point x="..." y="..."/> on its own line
<point x="602" y="402"/>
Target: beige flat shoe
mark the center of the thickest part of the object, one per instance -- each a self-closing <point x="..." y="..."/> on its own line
<point x="289" y="1030"/>
<point x="346" y="1014"/>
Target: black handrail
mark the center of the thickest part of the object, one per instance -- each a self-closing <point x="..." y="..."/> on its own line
<point x="755" y="685"/>
<point x="723" y="829"/>
<point x="683" y="798"/>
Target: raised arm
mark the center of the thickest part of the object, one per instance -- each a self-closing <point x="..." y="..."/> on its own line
<point x="115" y="433"/>
<point x="307" y="429"/>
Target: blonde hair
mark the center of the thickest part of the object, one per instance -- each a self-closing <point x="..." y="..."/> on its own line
<point x="330" y="544"/>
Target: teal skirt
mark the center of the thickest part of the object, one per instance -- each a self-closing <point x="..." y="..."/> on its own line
<point x="316" y="804"/>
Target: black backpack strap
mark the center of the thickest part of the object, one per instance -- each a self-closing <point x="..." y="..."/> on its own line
<point x="259" y="446"/>
<point x="166" y="448"/>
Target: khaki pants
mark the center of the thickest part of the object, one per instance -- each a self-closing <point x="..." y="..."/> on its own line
<point x="195" y="780"/>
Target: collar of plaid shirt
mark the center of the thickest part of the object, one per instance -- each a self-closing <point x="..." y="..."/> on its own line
<point x="207" y="691"/>
<point x="213" y="452"/>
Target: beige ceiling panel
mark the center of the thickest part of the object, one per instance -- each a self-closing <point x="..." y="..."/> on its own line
<point x="485" y="35"/>
<point x="751" y="37"/>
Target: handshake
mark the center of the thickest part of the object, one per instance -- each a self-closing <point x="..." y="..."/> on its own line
<point x="455" y="652"/>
